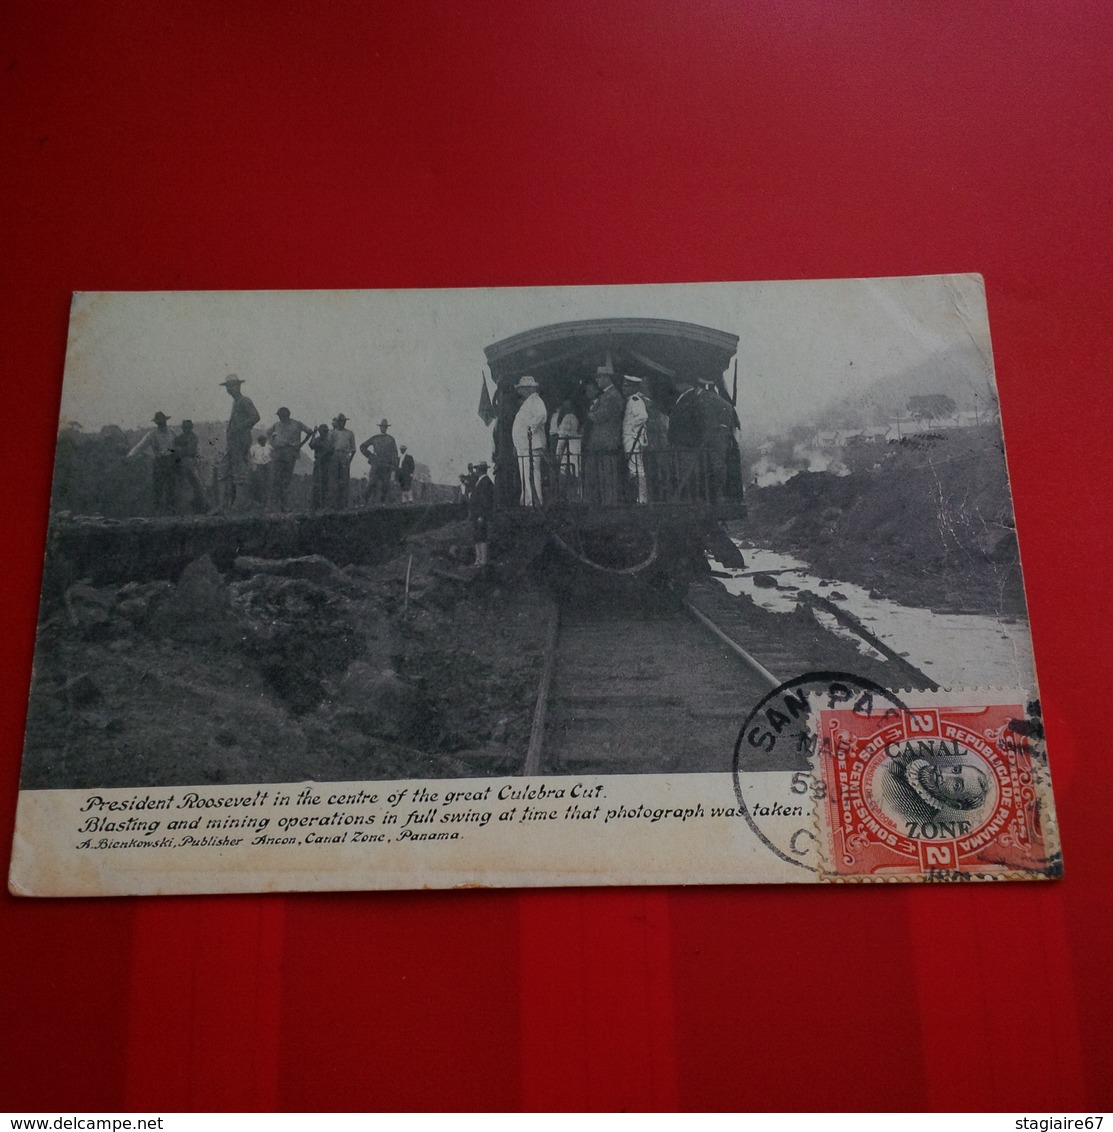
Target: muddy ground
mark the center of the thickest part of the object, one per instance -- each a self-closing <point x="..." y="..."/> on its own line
<point x="927" y="522"/>
<point x="287" y="670"/>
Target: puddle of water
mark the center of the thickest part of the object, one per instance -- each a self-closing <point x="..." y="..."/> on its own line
<point x="954" y="649"/>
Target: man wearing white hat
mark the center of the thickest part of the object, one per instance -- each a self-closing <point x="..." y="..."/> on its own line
<point x="530" y="442"/>
<point x="237" y="446"/>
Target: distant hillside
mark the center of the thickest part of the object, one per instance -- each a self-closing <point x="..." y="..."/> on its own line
<point x="960" y="374"/>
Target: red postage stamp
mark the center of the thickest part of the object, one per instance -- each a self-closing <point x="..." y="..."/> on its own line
<point x="933" y="793"/>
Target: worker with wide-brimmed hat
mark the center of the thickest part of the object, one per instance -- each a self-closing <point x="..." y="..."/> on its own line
<point x="530" y="439"/>
<point x="237" y="449"/>
<point x="342" y="446"/>
<point x="381" y="453"/>
<point x="159" y="442"/>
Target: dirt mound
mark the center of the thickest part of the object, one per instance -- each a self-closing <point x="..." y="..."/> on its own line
<point x="287" y="670"/>
<point x="929" y="523"/>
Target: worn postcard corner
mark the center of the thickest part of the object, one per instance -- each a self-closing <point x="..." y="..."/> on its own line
<point x="532" y="586"/>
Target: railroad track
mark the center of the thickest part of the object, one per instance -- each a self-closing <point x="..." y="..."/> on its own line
<point x="633" y="690"/>
<point x="649" y="693"/>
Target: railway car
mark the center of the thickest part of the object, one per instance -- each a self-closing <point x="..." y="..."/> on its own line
<point x="618" y="491"/>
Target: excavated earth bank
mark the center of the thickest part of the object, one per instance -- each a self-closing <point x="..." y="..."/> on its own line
<point x="927" y="522"/>
<point x="282" y="670"/>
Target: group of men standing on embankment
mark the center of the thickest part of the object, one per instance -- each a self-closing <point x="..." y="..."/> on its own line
<point x="257" y="470"/>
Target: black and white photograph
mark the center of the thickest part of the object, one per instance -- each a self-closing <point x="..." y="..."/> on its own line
<point x="509" y="571"/>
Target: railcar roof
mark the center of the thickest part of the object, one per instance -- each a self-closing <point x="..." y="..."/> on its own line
<point x="668" y="347"/>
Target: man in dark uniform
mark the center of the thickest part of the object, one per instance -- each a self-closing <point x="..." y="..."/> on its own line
<point x="686" y="439"/>
<point x="467" y="486"/>
<point x="717" y="420"/>
<point x="406" y="475"/>
<point x="604" y="441"/>
<point x="481" y="506"/>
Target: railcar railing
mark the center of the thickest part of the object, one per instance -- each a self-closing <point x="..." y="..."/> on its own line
<point x="617" y="479"/>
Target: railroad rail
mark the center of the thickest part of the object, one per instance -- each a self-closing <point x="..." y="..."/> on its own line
<point x="662" y="687"/>
<point x="640" y="691"/>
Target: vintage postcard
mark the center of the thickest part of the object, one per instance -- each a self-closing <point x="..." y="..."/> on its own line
<point x="700" y="583"/>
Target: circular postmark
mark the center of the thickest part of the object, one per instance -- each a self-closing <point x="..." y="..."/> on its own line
<point x="777" y="781"/>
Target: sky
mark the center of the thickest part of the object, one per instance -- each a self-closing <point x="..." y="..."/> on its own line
<point x="416" y="356"/>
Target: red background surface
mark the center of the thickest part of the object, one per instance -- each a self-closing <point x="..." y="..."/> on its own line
<point x="269" y="144"/>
